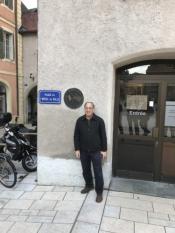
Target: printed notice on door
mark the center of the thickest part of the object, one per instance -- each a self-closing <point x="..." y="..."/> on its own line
<point x="136" y="102"/>
<point x="170" y="114"/>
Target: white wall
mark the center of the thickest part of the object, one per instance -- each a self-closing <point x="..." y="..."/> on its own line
<point x="78" y="41"/>
<point x="30" y="53"/>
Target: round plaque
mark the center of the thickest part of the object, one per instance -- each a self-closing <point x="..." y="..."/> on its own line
<point x="73" y="98"/>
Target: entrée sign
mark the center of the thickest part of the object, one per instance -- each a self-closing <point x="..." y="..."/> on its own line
<point x="136" y="113"/>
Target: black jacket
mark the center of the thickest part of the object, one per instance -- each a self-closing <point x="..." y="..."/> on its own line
<point x="90" y="135"/>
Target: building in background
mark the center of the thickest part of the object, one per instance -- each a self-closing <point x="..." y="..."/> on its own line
<point x="11" y="74"/>
<point x="28" y="30"/>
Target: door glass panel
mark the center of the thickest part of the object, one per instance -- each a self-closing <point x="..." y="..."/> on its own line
<point x="169" y="126"/>
<point x="138" y="108"/>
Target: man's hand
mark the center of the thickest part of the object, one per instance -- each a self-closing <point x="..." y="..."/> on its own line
<point x="77" y="154"/>
<point x="104" y="154"/>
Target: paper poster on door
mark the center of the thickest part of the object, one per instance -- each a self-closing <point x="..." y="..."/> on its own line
<point x="170" y="114"/>
<point x="136" y="102"/>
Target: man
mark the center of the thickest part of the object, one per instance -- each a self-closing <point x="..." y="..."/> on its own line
<point x="90" y="147"/>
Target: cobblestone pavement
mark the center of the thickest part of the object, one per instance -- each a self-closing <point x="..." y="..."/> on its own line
<point x="31" y="208"/>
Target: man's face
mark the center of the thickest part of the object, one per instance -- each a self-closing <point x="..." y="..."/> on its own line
<point x="89" y="110"/>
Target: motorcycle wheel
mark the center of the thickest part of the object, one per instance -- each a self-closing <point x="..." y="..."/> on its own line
<point x="29" y="162"/>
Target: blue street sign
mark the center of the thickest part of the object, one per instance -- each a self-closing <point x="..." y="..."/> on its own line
<point x="49" y="97"/>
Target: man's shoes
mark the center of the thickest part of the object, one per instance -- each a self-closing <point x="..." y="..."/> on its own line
<point x="87" y="189"/>
<point x="99" y="198"/>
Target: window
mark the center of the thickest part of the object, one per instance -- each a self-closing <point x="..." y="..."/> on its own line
<point x="6" y="45"/>
<point x="8" y="3"/>
<point x="153" y="67"/>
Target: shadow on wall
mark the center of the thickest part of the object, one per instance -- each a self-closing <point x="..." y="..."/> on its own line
<point x="60" y="144"/>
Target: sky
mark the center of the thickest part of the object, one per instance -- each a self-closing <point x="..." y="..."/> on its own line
<point x="30" y="3"/>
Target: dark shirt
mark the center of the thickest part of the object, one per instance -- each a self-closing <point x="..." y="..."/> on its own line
<point x="90" y="135"/>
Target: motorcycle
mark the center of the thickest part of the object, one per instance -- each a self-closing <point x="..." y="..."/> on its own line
<point x="17" y="146"/>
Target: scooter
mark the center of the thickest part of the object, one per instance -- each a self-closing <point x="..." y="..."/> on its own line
<point x="18" y="147"/>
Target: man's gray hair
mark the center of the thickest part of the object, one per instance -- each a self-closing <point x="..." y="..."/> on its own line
<point x="89" y="102"/>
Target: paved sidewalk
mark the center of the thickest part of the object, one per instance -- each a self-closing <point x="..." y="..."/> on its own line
<point x="52" y="209"/>
<point x="152" y="188"/>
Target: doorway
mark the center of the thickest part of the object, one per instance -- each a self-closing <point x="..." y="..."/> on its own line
<point x="144" y="121"/>
<point x="32" y="106"/>
<point x="3" y="98"/>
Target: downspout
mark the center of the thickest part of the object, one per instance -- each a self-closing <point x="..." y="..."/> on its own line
<point x="16" y="43"/>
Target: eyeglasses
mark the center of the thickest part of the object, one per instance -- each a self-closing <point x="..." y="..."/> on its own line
<point x="89" y="108"/>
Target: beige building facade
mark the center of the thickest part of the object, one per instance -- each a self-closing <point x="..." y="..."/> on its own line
<point x="81" y="45"/>
<point x="11" y="59"/>
<point x="30" y="76"/>
<point x="20" y="66"/>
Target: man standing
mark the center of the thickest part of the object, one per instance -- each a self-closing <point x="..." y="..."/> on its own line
<point x="90" y="146"/>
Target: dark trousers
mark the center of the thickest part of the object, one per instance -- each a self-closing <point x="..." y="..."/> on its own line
<point x="96" y="159"/>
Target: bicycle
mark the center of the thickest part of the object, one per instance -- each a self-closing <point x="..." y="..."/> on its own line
<point x="8" y="173"/>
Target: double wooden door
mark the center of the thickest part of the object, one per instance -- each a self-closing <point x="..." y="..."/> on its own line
<point x="144" y="128"/>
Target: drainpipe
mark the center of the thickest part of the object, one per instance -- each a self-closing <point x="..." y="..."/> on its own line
<point x="16" y="43"/>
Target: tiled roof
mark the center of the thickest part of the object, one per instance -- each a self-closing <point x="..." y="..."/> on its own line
<point x="29" y="21"/>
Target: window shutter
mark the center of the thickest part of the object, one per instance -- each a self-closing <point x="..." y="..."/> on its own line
<point x="1" y="44"/>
